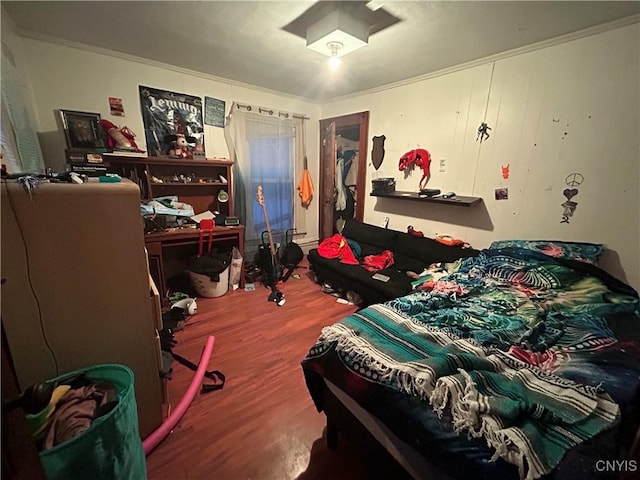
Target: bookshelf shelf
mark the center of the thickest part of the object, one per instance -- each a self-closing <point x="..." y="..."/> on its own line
<point x="202" y="196"/>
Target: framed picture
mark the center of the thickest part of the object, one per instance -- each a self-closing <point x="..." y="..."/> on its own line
<point x="82" y="130"/>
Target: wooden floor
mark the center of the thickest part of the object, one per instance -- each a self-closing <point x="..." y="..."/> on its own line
<point x="263" y="424"/>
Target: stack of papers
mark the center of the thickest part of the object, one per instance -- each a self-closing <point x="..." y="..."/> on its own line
<point x="208" y="215"/>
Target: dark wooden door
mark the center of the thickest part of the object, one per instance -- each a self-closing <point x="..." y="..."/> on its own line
<point x="358" y="124"/>
<point x="327" y="175"/>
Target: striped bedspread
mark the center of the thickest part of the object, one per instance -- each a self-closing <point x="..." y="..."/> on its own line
<point x="494" y="344"/>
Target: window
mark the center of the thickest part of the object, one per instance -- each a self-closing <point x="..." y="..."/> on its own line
<point x="267" y="152"/>
<point x="271" y="165"/>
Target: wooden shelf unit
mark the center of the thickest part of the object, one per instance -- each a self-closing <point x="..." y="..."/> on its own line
<point x="458" y="200"/>
<point x="167" y="250"/>
<point x="201" y="193"/>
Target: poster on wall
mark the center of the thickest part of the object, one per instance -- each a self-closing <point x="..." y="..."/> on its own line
<point x="167" y="115"/>
<point x="214" y="112"/>
<point x="115" y="107"/>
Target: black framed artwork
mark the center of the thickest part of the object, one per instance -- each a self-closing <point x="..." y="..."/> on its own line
<point x="82" y="130"/>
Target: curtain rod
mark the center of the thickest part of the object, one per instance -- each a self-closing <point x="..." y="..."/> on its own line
<point x="271" y="112"/>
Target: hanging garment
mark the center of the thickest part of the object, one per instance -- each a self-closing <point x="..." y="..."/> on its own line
<point x="341" y="200"/>
<point x="305" y="187"/>
<point x="350" y="207"/>
<point x="349" y="156"/>
<point x="350" y="173"/>
<point x="337" y="247"/>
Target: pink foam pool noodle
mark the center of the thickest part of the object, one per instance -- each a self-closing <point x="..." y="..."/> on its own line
<point x="152" y="441"/>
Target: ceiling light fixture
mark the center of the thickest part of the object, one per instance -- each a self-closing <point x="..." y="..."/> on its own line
<point x="337" y="27"/>
<point x="334" y="59"/>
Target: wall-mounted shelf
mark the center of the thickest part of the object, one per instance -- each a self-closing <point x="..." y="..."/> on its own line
<point x="459" y="200"/>
<point x="185" y="184"/>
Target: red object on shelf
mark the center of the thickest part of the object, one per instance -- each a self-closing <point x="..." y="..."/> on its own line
<point x="415" y="233"/>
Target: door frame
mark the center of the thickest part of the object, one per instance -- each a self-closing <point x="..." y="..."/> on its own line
<point x="362" y="120"/>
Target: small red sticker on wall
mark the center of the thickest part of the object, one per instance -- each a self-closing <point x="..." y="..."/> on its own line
<point x="505" y="171"/>
<point x="115" y="104"/>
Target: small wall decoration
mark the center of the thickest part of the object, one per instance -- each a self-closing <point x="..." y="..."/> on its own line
<point x="82" y="130"/>
<point x="170" y="116"/>
<point x="483" y="132"/>
<point x="377" y="153"/>
<point x="116" y="107"/>
<point x="418" y="157"/>
<point x="502" y="193"/>
<point x="505" y="171"/>
<point x="214" y="112"/>
<point x="572" y="180"/>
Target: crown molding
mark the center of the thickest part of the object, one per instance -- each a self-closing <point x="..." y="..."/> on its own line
<point x="153" y="63"/>
<point x="577" y="35"/>
<point x="595" y="30"/>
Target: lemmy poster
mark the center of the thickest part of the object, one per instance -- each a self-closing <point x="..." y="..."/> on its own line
<point x="169" y="115"/>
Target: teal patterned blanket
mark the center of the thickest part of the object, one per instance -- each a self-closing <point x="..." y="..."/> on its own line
<point x="493" y="344"/>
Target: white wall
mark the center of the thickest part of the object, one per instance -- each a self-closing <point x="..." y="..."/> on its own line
<point x="20" y="120"/>
<point x="573" y="107"/>
<point x="63" y="77"/>
<point x="588" y="88"/>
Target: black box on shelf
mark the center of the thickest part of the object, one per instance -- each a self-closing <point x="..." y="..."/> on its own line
<point x="428" y="192"/>
<point x="383" y="185"/>
<point x="89" y="169"/>
<point x="83" y="156"/>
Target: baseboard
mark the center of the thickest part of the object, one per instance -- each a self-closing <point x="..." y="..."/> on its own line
<point x="307" y="245"/>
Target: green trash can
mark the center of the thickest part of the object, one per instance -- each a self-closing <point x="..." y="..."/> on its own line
<point x="110" y="449"/>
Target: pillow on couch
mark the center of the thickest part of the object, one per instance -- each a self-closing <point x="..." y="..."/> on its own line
<point x="428" y="251"/>
<point x="370" y="234"/>
<point x="584" y="252"/>
<point x="371" y="238"/>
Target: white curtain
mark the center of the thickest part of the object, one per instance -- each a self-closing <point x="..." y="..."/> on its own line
<point x="19" y="141"/>
<point x="266" y="148"/>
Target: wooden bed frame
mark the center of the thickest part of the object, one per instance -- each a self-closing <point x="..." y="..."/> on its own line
<point x="344" y="415"/>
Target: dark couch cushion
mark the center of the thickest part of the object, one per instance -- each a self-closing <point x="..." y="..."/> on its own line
<point x="372" y="239"/>
<point x="367" y="249"/>
<point x="429" y="251"/>
<point x="405" y="263"/>
<point x="359" y="280"/>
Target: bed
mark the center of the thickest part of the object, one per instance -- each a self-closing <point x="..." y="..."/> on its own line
<point x="522" y="362"/>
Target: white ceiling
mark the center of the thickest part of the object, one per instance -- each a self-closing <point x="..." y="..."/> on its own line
<point x="244" y="41"/>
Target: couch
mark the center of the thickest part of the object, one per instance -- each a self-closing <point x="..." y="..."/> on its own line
<point x="411" y="254"/>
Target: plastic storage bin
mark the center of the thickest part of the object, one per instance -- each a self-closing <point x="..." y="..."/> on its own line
<point x="111" y="447"/>
<point x="205" y="287"/>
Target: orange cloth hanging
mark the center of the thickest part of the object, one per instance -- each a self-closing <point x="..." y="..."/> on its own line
<point x="305" y="187"/>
